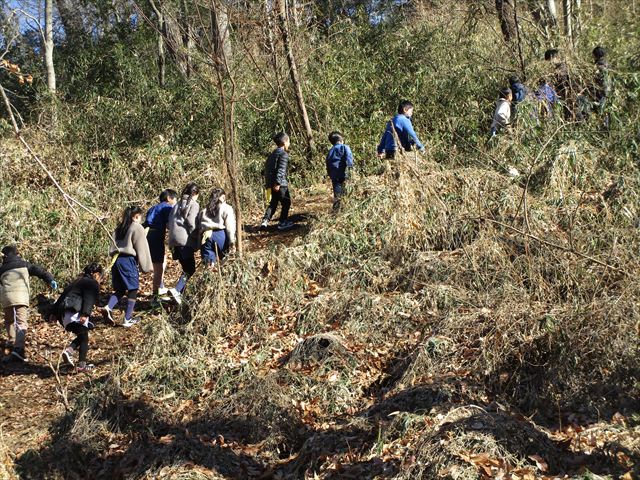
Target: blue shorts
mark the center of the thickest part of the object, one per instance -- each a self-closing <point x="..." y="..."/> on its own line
<point x="155" y="239"/>
<point x="124" y="274"/>
<point x="218" y="239"/>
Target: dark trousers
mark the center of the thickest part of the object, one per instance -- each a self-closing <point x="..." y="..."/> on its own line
<point x="81" y="342"/>
<point x="338" y="191"/>
<point x="186" y="256"/>
<point x="281" y="197"/>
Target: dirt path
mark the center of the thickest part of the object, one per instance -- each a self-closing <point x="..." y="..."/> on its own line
<point x="32" y="395"/>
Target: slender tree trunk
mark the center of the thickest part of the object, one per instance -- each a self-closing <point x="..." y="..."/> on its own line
<point x="577" y="5"/>
<point x="519" y="40"/>
<point x="295" y="79"/>
<point x="568" y="19"/>
<point x="220" y="31"/>
<point x="553" y="12"/>
<point x="160" y="41"/>
<point x="187" y="41"/>
<point x="504" y="9"/>
<point x="224" y="76"/>
<point x="48" y="45"/>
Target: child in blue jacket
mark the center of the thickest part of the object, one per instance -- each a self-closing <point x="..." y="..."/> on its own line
<point x="156" y="223"/>
<point x="404" y="129"/>
<point x="339" y="160"/>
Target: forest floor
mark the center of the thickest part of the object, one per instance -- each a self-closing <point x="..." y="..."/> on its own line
<point x="35" y="395"/>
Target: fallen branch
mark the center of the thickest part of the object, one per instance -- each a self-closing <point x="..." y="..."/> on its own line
<point x="68" y="198"/>
<point x="555" y="245"/>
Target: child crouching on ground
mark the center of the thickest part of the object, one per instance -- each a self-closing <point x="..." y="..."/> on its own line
<point x="339" y="162"/>
<point x="217" y="228"/>
<point x="156" y="222"/>
<point x="502" y="114"/>
<point x="74" y="308"/>
<point x="132" y="250"/>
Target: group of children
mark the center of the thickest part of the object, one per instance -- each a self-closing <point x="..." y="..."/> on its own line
<point x="177" y="220"/>
<point x="556" y="88"/>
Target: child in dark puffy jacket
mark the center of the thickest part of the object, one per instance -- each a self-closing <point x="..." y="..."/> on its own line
<point x="276" y="181"/>
<point x="339" y="162"/>
<point x="74" y="308"/>
<point x="15" y="292"/>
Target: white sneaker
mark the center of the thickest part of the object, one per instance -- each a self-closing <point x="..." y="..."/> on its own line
<point x="131" y="322"/>
<point x="108" y="318"/>
<point x="177" y="296"/>
<point x="67" y="356"/>
<point x="264" y="224"/>
<point x="162" y="291"/>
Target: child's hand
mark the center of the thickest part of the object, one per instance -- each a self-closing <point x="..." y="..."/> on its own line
<point x="84" y="320"/>
<point x="276" y="188"/>
<point x="381" y="155"/>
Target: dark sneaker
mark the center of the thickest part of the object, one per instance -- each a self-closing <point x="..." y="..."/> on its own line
<point x="19" y="355"/>
<point x="286" y="225"/>
<point x="67" y="356"/>
<point x="107" y="314"/>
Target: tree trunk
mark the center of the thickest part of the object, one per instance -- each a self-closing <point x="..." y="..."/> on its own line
<point x="577" y="25"/>
<point x="295" y="79"/>
<point x="187" y="41"/>
<point x="220" y="31"/>
<point x="504" y="9"/>
<point x="160" y="41"/>
<point x="71" y="14"/>
<point x="553" y="13"/>
<point x="48" y="45"/>
<point x="568" y="19"/>
<point x="222" y="47"/>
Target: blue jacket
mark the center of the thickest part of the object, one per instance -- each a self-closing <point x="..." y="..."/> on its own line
<point x="338" y="159"/>
<point x="158" y="216"/>
<point x="405" y="132"/>
<point x="519" y="92"/>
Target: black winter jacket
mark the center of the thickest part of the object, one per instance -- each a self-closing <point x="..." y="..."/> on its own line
<point x="79" y="296"/>
<point x="276" y="167"/>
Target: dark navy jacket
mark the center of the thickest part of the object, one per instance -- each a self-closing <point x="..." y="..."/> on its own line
<point x="405" y="132"/>
<point x="158" y="216"/>
<point x="519" y="92"/>
<point x="338" y="159"/>
<point x="275" y="170"/>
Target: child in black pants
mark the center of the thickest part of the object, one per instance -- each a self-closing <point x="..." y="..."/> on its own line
<point x="275" y="176"/>
<point x="74" y="307"/>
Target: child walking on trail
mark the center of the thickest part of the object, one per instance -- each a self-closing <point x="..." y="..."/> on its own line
<point x="217" y="228"/>
<point x="74" y="307"/>
<point x="14" y="294"/>
<point x="156" y="222"/>
<point x="400" y="126"/>
<point x="502" y="114"/>
<point x="339" y="162"/>
<point x="275" y="175"/>
<point x="132" y="251"/>
<point x="182" y="235"/>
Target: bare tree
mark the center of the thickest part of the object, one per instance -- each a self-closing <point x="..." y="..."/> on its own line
<point x="295" y="78"/>
<point x="161" y="35"/>
<point x="504" y="9"/>
<point x="48" y="46"/>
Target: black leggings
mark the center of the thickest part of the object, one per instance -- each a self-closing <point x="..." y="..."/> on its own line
<point x="81" y="342"/>
<point x="186" y="256"/>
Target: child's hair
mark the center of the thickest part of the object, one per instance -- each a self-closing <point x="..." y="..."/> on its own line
<point x="599" y="52"/>
<point x="280" y="138"/>
<point x="550" y="54"/>
<point x="404" y="105"/>
<point x="213" y="207"/>
<point x="335" y="137"/>
<point x="167" y="194"/>
<point x="127" y="219"/>
<point x="505" y="92"/>
<point x="93" y="268"/>
<point x="189" y="191"/>
<point x="513" y="79"/>
<point x="10" y="250"/>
